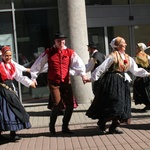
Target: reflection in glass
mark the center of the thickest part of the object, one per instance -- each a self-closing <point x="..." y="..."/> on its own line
<point x="5" y="4"/>
<point x="35" y="30"/>
<point x="34" y="3"/>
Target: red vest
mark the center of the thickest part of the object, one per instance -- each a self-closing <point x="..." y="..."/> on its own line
<point x="59" y="64"/>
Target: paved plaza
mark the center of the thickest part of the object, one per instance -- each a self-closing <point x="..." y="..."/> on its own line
<point x="86" y="133"/>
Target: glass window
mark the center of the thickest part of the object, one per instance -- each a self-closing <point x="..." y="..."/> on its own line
<point x="6" y="30"/>
<point x="142" y="35"/>
<point x="98" y="2"/>
<point x="35" y="30"/>
<point x="140" y="2"/>
<point x="115" y="2"/>
<point x="34" y="3"/>
<point x="97" y="36"/>
<point x="119" y="31"/>
<point x="5" y="4"/>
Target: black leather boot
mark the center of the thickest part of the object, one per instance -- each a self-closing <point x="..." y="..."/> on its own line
<point x="66" y="119"/>
<point x="53" y="118"/>
<point x="113" y="127"/>
<point x="102" y="128"/>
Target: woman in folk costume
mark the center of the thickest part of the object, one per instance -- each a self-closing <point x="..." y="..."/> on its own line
<point x="13" y="116"/>
<point x="141" y="86"/>
<point x="112" y="100"/>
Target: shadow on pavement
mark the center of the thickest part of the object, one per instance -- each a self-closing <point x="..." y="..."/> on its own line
<point x="137" y="126"/>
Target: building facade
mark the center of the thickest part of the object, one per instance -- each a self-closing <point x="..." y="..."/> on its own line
<point x="28" y="27"/>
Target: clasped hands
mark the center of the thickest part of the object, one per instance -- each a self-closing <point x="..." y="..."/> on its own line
<point x="33" y="84"/>
<point x="85" y="79"/>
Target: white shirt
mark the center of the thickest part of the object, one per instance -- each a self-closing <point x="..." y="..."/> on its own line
<point x="109" y="61"/>
<point x="18" y="75"/>
<point x="77" y="66"/>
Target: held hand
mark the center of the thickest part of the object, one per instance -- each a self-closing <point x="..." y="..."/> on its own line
<point x="85" y="79"/>
<point x="28" y="70"/>
<point x="34" y="82"/>
<point x="88" y="80"/>
<point x="33" y="85"/>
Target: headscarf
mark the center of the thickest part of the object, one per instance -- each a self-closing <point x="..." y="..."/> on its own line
<point x="142" y="46"/>
<point x="5" y="48"/>
<point x="115" y="42"/>
<point x="6" y="72"/>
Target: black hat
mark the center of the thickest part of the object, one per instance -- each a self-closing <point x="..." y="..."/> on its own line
<point x="59" y="35"/>
<point x="92" y="45"/>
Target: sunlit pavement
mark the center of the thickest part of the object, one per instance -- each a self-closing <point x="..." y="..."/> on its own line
<point x="136" y="136"/>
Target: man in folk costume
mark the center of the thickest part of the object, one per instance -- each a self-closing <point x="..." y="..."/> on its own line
<point x="61" y="61"/>
<point x="96" y="58"/>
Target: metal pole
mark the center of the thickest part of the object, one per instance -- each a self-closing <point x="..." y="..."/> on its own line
<point x="15" y="43"/>
<point x="106" y="40"/>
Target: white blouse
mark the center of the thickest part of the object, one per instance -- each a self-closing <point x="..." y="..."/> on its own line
<point x="19" y="77"/>
<point x="109" y="61"/>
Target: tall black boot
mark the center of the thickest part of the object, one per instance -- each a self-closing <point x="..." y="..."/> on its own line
<point x="101" y="123"/>
<point x="66" y="119"/>
<point x="113" y="127"/>
<point x="53" y="118"/>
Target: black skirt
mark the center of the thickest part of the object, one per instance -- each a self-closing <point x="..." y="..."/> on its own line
<point x="141" y="90"/>
<point x="112" y="99"/>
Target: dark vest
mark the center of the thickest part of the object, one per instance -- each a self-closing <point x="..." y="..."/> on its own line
<point x="99" y="57"/>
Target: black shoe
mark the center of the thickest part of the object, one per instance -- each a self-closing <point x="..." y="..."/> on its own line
<point x="52" y="130"/>
<point x="102" y="132"/>
<point x="66" y="130"/>
<point x="14" y="137"/>
<point x="115" y="132"/>
<point x="3" y="138"/>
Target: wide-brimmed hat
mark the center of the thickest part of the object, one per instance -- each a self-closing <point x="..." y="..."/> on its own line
<point x="59" y="35"/>
<point x="92" y="45"/>
<point x="142" y="46"/>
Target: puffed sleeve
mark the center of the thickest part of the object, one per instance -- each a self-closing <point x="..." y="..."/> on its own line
<point x="102" y="68"/>
<point x="22" y="79"/>
<point x="38" y="65"/>
<point x="135" y="70"/>
<point x="77" y="67"/>
<point x="20" y="67"/>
